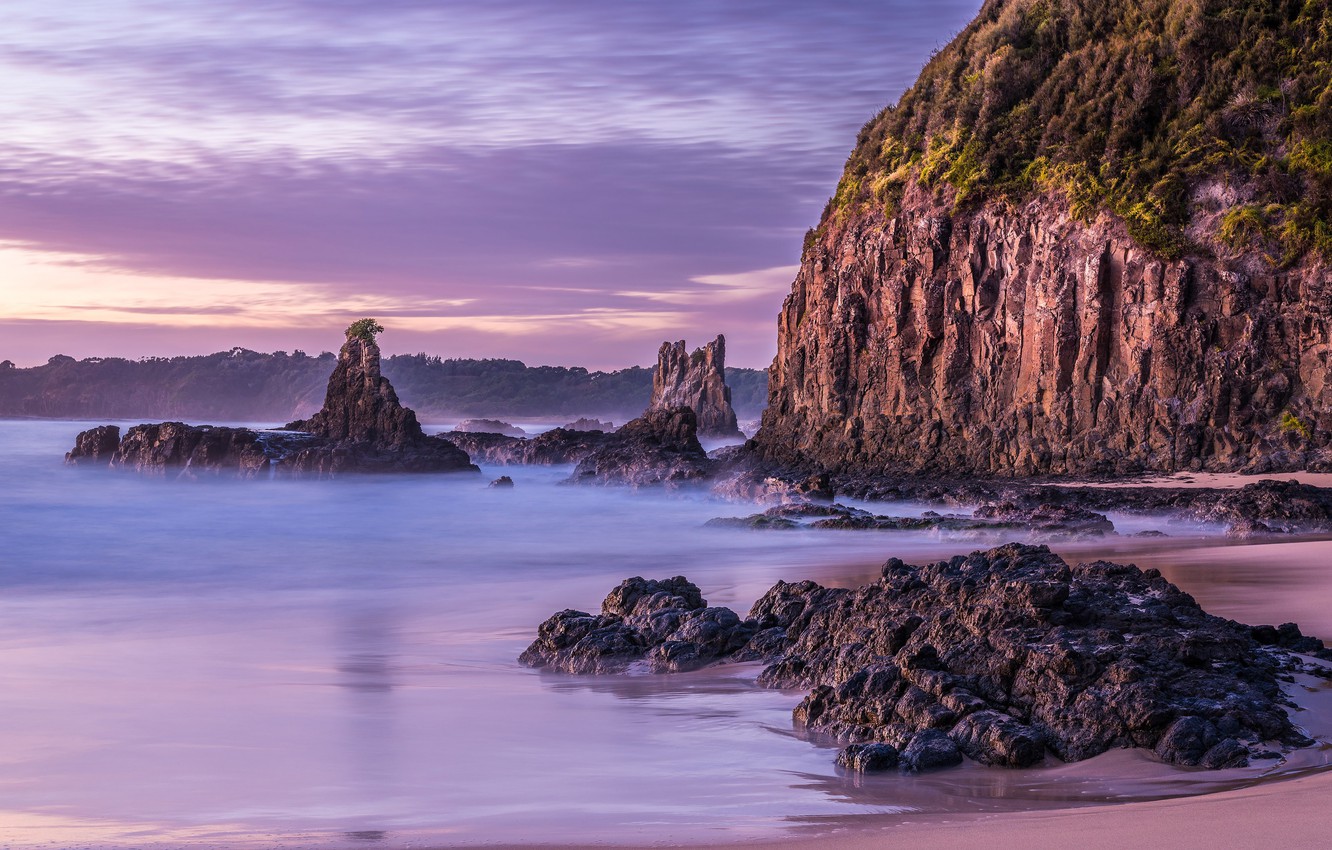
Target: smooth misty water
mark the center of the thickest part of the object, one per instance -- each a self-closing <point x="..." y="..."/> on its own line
<point x="325" y="662"/>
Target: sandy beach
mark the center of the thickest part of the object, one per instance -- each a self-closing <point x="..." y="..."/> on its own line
<point x="1289" y="814"/>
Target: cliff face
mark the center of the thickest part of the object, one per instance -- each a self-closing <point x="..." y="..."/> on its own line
<point x="697" y="381"/>
<point x="1020" y="341"/>
<point x="1090" y="237"/>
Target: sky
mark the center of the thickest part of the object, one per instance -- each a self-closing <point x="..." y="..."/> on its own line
<point x="565" y="182"/>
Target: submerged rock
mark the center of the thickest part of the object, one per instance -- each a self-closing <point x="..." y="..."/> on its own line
<point x="1045" y="523"/>
<point x="1001" y="656"/>
<point x="696" y="381"/>
<point x="362" y="427"/>
<point x="659" y="447"/>
<point x="488" y="426"/>
<point x="586" y="424"/>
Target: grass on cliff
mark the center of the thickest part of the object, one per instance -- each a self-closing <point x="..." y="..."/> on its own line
<point x="1122" y="106"/>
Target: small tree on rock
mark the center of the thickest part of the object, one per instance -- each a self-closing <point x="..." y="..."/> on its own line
<point x="364" y="329"/>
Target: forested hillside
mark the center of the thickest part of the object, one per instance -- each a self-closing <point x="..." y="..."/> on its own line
<point x="243" y="385"/>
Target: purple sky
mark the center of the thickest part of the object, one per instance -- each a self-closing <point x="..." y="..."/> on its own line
<point x="560" y="182"/>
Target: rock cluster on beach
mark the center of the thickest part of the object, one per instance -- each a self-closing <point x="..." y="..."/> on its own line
<point x="362" y="427"/>
<point x="1045" y="522"/>
<point x="696" y="381"/>
<point x="1003" y="656"/>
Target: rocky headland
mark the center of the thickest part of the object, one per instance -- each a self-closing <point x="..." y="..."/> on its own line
<point x="1024" y="270"/>
<point x="1008" y="657"/>
<point x="362" y="427"/>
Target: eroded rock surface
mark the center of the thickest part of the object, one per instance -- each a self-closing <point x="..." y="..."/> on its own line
<point x="659" y="447"/>
<point x="1006" y="340"/>
<point x="1004" y="656"/>
<point x="696" y="381"/>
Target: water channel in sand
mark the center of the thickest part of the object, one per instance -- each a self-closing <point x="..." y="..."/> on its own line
<point x="307" y="662"/>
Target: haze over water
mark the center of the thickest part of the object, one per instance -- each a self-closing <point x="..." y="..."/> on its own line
<point x="226" y="662"/>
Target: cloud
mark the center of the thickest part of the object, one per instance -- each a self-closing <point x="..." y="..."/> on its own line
<point x="575" y="171"/>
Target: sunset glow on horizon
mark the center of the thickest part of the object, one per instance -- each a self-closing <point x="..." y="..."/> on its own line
<point x="564" y="184"/>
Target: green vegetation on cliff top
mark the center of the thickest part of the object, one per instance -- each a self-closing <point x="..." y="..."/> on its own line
<point x="1126" y="106"/>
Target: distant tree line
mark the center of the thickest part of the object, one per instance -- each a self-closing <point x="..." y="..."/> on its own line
<point x="243" y="385"/>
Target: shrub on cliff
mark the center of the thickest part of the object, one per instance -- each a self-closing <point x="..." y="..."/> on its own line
<point x="365" y="329"/>
<point x="1121" y="105"/>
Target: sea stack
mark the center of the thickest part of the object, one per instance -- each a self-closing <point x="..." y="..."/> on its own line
<point x="360" y="405"/>
<point x="697" y="381"/>
<point x="362" y="427"/>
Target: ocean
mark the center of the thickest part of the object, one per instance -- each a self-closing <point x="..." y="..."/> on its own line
<point x="325" y="663"/>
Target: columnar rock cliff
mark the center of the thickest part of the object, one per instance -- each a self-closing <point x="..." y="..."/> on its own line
<point x="697" y="381"/>
<point x="1090" y="238"/>
<point x="1021" y="341"/>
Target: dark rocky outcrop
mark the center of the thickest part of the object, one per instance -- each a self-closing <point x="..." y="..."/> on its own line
<point x="696" y="381"/>
<point x="1004" y="656"/>
<point x="659" y="447"/>
<point x="488" y="426"/>
<point x="95" y="446"/>
<point x="553" y="448"/>
<point x="665" y="625"/>
<point x="361" y="428"/>
<point x="1283" y="507"/>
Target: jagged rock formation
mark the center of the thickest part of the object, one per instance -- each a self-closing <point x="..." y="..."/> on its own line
<point x="551" y="448"/>
<point x="697" y="381"/>
<point x="1027" y="270"/>
<point x="659" y="447"/>
<point x="361" y="428"/>
<point x="489" y="426"/>
<point x="1002" y="655"/>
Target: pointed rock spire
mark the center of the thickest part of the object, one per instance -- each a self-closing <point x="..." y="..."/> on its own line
<point x="696" y="381"/>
